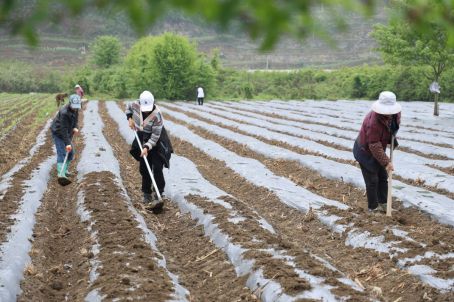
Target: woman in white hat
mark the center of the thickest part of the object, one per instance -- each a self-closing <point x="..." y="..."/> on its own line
<point x="377" y="130"/>
<point x="146" y="118"/>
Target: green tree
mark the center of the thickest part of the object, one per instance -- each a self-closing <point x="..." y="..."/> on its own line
<point x="139" y="66"/>
<point x="401" y="44"/>
<point x="168" y="65"/>
<point x="215" y="59"/>
<point x="106" y="51"/>
<point x="174" y="60"/>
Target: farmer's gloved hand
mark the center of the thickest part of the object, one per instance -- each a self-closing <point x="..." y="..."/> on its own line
<point x="390" y="167"/>
<point x="69" y="148"/>
<point x="131" y="124"/>
<point x="75" y="131"/>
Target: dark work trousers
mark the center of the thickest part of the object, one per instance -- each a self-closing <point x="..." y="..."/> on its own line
<point x="200" y="101"/>
<point x="376" y="186"/>
<point x="156" y="167"/>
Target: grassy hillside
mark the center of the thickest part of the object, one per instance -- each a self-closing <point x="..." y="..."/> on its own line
<point x="68" y="43"/>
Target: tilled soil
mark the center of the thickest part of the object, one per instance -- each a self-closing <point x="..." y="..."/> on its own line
<point x="291" y="223"/>
<point x="277" y="115"/>
<point x="339" y="147"/>
<point x="59" y="266"/>
<point x="9" y="203"/>
<point x="15" y="145"/>
<point x="128" y="266"/>
<point x="322" y="142"/>
<point x="410" y="219"/>
<point x="308" y="152"/>
<point x="202" y="268"/>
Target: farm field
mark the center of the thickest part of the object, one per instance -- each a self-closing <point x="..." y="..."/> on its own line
<point x="264" y="203"/>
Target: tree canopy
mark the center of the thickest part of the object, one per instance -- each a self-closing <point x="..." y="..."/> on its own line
<point x="106" y="51"/>
<point x="168" y="65"/>
<point x="402" y="44"/>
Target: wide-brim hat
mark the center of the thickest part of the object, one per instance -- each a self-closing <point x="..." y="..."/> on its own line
<point x="75" y="101"/>
<point x="386" y="104"/>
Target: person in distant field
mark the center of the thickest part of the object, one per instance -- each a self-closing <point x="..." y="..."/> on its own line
<point x="144" y="116"/>
<point x="79" y="91"/>
<point x="64" y="127"/>
<point x="200" y="95"/>
<point x="379" y="126"/>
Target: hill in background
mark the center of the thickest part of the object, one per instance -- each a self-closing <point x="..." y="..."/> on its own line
<point x="68" y="42"/>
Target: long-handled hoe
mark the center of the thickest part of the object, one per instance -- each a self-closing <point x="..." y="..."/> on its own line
<point x="62" y="179"/>
<point x="389" y="206"/>
<point x="161" y="202"/>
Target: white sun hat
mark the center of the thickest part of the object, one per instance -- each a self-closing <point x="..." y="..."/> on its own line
<point x="77" y="86"/>
<point x="146" y="101"/>
<point x="386" y="104"/>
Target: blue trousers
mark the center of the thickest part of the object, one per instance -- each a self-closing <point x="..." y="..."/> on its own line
<point x="61" y="149"/>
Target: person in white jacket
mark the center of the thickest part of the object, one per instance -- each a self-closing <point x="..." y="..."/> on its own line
<point x="200" y="95"/>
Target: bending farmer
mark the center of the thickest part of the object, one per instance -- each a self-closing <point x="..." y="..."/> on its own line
<point x="377" y="130"/>
<point x="145" y="117"/>
<point x="64" y="126"/>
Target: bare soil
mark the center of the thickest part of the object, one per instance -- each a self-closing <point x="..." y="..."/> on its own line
<point x="418" y="225"/>
<point x="210" y="279"/>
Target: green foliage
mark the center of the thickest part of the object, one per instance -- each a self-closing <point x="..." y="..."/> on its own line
<point x="266" y="21"/>
<point x="216" y="60"/>
<point x="402" y="44"/>
<point x="106" y="51"/>
<point x="167" y="65"/>
<point x="365" y="82"/>
<point x="24" y="78"/>
<point x="139" y="65"/>
<point x="174" y="67"/>
<point x="82" y="77"/>
<point x="111" y="81"/>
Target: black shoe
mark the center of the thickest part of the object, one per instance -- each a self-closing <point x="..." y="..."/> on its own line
<point x="382" y="207"/>
<point x="147" y="198"/>
<point x="375" y="211"/>
<point x="155" y="202"/>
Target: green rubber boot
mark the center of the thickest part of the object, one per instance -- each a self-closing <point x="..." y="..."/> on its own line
<point x="67" y="174"/>
<point x="59" y="165"/>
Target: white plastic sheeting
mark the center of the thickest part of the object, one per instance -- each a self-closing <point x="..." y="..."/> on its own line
<point x="184" y="179"/>
<point x="5" y="181"/>
<point x="308" y="129"/>
<point x="355" y="237"/>
<point x="408" y="166"/>
<point x="437" y="205"/>
<point x="417" y="119"/>
<point x="14" y="251"/>
<point x="85" y="216"/>
<point x="98" y="156"/>
<point x="345" y="121"/>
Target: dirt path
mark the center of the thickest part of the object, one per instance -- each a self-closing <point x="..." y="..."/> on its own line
<point x="211" y="279"/>
<point x="59" y="267"/>
<point x="367" y="266"/>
